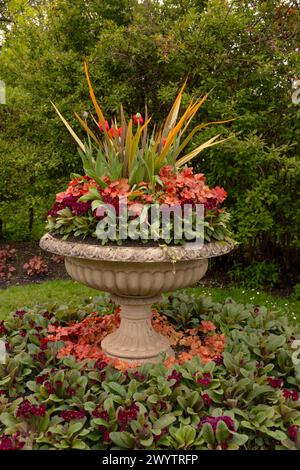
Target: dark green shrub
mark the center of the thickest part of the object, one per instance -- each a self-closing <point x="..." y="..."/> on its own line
<point x="256" y="275"/>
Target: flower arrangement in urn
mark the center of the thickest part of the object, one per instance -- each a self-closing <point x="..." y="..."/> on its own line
<point x="138" y="222"/>
<point x="135" y="178"/>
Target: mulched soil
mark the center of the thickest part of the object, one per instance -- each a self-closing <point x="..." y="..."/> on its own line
<point x="24" y="252"/>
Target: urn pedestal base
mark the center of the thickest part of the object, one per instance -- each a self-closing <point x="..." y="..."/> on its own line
<point x="135" y="277"/>
<point x="135" y="340"/>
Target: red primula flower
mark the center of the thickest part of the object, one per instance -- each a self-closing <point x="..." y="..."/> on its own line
<point x="206" y="398"/>
<point x="274" y="382"/>
<point x="175" y="375"/>
<point x="26" y="409"/>
<point x="290" y="394"/>
<point x="11" y="442"/>
<point x="69" y="415"/>
<point x="206" y="380"/>
<point x="292" y="432"/>
<point x="3" y="329"/>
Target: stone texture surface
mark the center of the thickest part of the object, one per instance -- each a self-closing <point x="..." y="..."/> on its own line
<point x="135" y="276"/>
<point x="139" y="254"/>
<point x="133" y="279"/>
<point x="135" y="336"/>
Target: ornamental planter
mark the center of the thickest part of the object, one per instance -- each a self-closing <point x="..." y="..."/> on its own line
<point x="135" y="277"/>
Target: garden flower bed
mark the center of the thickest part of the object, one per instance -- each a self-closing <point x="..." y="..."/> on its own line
<point x="233" y="384"/>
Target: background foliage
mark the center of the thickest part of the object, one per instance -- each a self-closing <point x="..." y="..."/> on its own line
<point x="247" y="51"/>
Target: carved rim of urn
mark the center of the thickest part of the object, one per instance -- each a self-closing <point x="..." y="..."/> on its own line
<point x="139" y="254"/>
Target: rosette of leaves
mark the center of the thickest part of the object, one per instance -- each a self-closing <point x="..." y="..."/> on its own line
<point x="138" y="154"/>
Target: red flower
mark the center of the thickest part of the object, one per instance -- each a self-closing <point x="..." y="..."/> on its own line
<point x="48" y="315"/>
<point x="105" y="433"/>
<point x="40" y="379"/>
<point x="137" y="119"/>
<point x="162" y="405"/>
<point x="112" y="132"/>
<point x="176" y="376"/>
<point x="44" y="342"/>
<point x="103" y="376"/>
<point x="98" y="413"/>
<point x="138" y="376"/>
<point x="11" y="442"/>
<point x="26" y="410"/>
<point x="292" y="432"/>
<point x="20" y="313"/>
<point x="119" y="131"/>
<point x="3" y="329"/>
<point x="69" y="415"/>
<point x="206" y="380"/>
<point x="124" y="416"/>
<point x="293" y="394"/>
<point x="100" y="364"/>
<point x="101" y="127"/>
<point x="218" y="360"/>
<point x="49" y="387"/>
<point x="275" y="383"/>
<point x="70" y="391"/>
<point x="206" y="398"/>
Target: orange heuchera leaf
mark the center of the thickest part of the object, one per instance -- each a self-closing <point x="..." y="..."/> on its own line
<point x="184" y="357"/>
<point x="83" y="339"/>
<point x="207" y="326"/>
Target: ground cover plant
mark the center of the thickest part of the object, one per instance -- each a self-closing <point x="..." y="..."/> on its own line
<point x="245" y="397"/>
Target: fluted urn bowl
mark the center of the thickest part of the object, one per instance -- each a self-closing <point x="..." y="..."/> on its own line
<point x="135" y="277"/>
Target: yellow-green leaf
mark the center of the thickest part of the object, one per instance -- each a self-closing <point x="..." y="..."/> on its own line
<point x="73" y="134"/>
<point x="197" y="150"/>
<point x="86" y="128"/>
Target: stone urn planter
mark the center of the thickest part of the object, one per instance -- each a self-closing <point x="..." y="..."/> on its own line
<point x="135" y="277"/>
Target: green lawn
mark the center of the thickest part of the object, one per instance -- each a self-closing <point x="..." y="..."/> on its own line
<point x="63" y="292"/>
